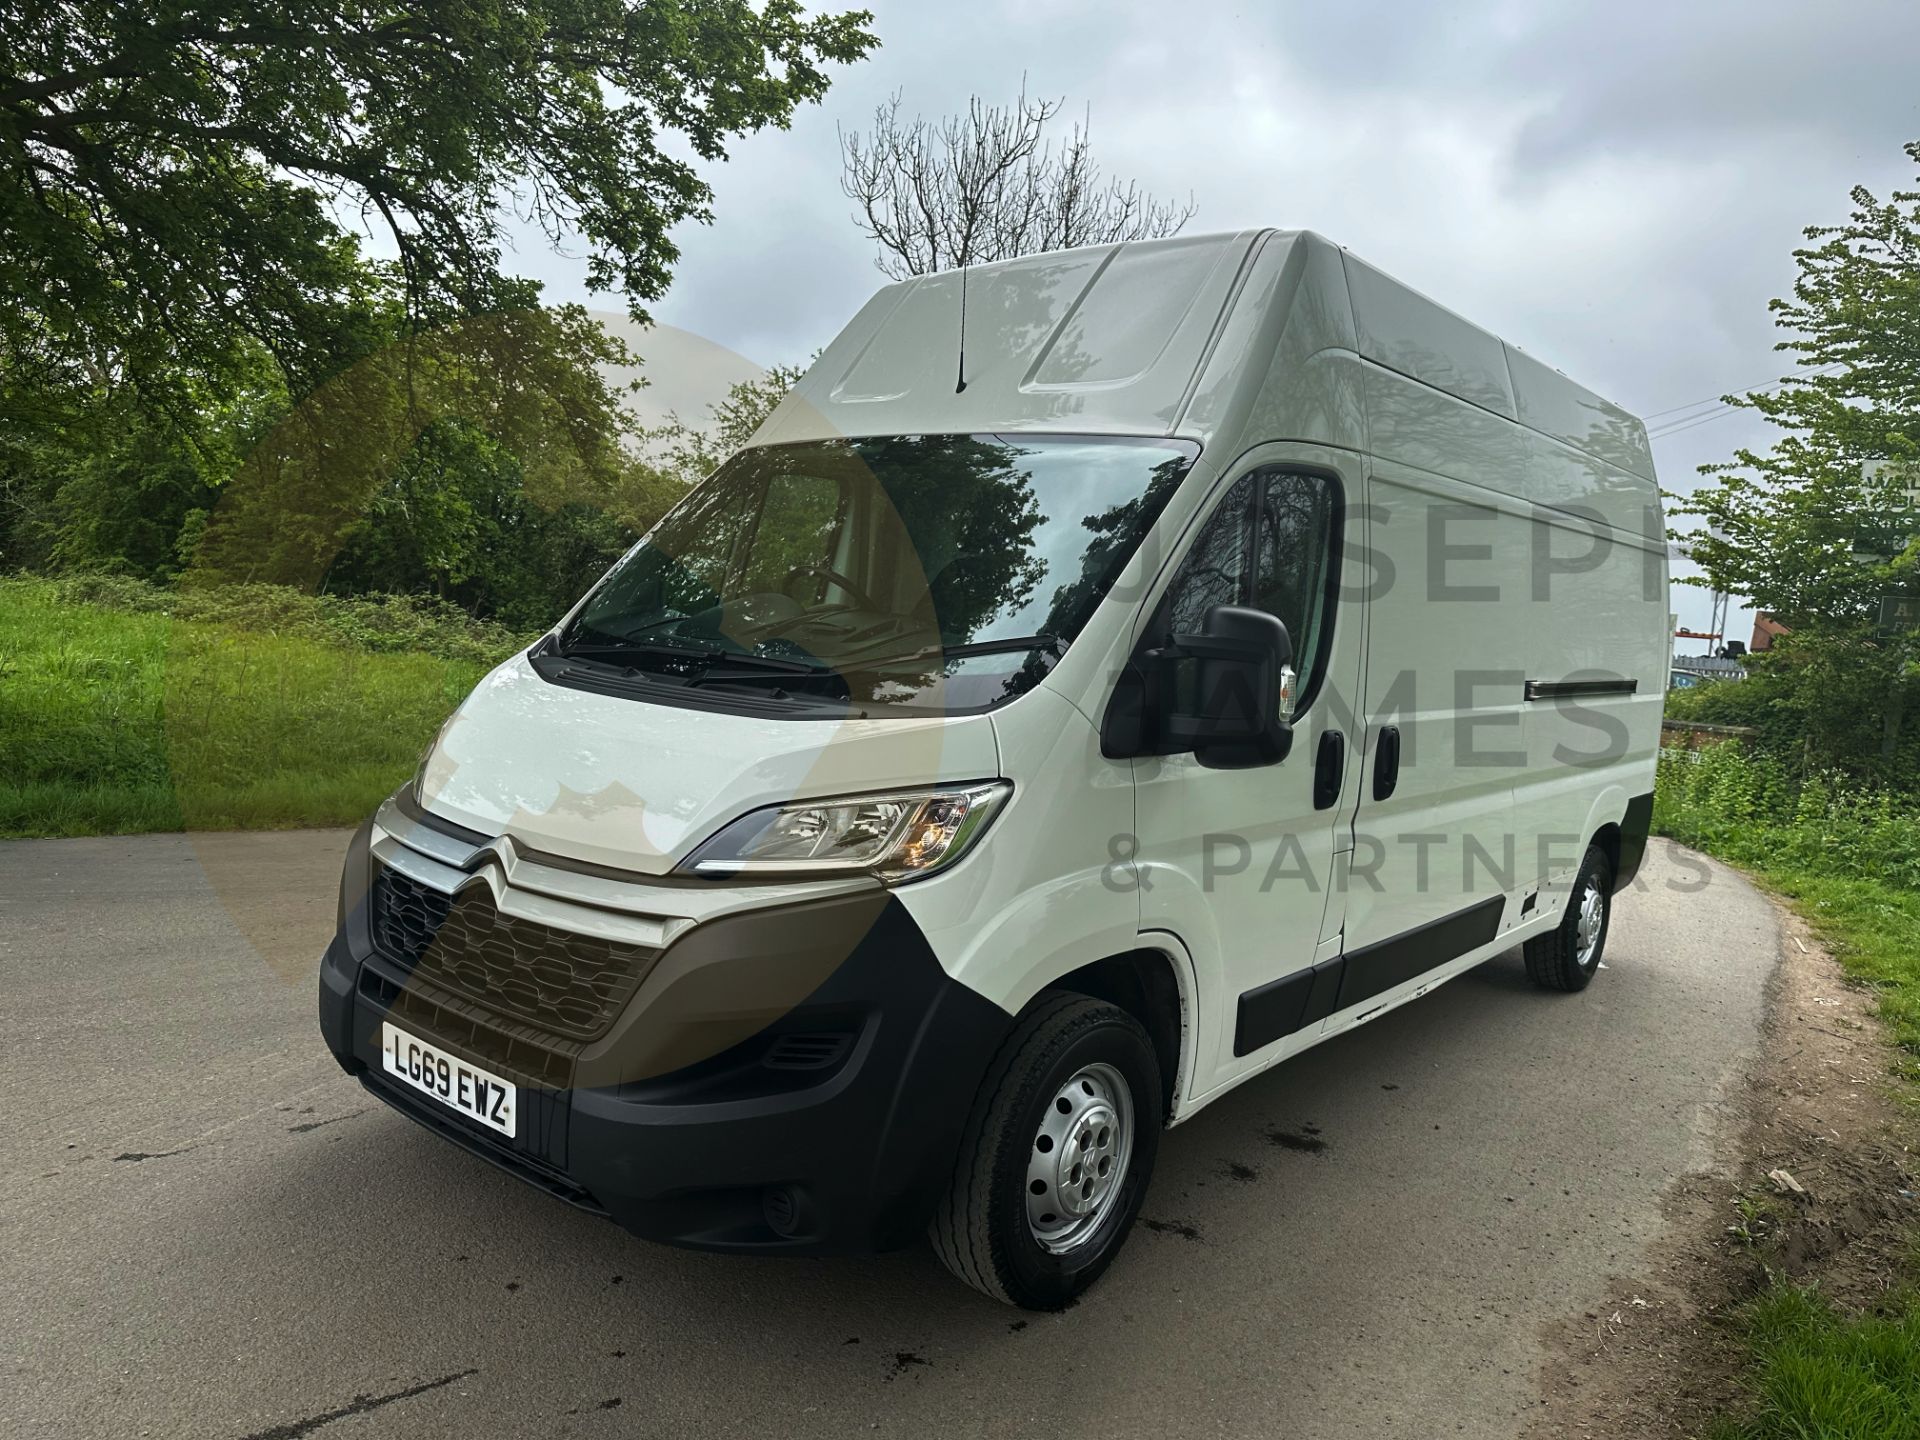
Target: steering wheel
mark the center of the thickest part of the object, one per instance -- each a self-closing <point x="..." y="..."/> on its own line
<point x="844" y="582"/>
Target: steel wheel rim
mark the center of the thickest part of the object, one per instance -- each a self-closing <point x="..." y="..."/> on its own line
<point x="1592" y="919"/>
<point x="1077" y="1161"/>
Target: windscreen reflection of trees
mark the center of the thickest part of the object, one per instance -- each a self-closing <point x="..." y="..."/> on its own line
<point x="966" y="510"/>
<point x="682" y="568"/>
<point x="1116" y="530"/>
<point x="948" y="540"/>
<point x="960" y="506"/>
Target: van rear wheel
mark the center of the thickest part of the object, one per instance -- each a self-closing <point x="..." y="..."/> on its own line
<point x="1568" y="956"/>
<point x="1056" y="1155"/>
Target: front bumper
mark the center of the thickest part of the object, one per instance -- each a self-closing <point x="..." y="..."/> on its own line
<point x="717" y="1112"/>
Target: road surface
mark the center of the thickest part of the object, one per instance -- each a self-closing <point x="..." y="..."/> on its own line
<point x="208" y="1230"/>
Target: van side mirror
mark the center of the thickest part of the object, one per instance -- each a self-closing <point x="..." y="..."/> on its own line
<point x="1226" y="693"/>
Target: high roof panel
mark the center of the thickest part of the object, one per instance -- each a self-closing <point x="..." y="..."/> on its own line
<point x="1191" y="335"/>
<point x="1106" y="339"/>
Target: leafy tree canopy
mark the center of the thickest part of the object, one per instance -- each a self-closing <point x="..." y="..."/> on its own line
<point x="1820" y="529"/>
<point x="1794" y="521"/>
<point x="181" y="177"/>
<point x="687" y="453"/>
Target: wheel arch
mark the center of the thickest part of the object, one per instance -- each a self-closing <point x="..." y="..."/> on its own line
<point x="1606" y="815"/>
<point x="1607" y="837"/>
<point x="1155" y="987"/>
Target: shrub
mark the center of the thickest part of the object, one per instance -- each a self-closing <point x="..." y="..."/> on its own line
<point x="1746" y="805"/>
<point x="381" y="624"/>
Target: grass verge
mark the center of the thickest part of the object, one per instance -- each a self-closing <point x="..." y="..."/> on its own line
<point x="1848" y="863"/>
<point x="116" y="721"/>
<point x="1820" y="1374"/>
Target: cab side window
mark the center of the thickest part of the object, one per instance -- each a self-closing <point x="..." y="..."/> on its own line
<point x="1270" y="543"/>
<point x="1292" y="557"/>
<point x="1215" y="570"/>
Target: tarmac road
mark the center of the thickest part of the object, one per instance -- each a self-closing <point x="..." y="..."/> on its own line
<point x="208" y="1230"/>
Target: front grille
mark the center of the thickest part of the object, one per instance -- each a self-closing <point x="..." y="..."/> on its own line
<point x="520" y="1053"/>
<point x="570" y="984"/>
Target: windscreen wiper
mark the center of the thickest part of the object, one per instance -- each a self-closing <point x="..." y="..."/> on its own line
<point x="697" y="655"/>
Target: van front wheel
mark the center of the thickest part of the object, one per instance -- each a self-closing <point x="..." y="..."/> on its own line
<point x="1568" y="956"/>
<point x="1056" y="1155"/>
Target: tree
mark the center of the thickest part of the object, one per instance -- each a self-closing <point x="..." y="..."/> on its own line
<point x="988" y="185"/>
<point x="174" y="175"/>
<point x="687" y="453"/>
<point x="525" y="379"/>
<point x="1819" y="530"/>
<point x="458" y="518"/>
<point x="185" y="188"/>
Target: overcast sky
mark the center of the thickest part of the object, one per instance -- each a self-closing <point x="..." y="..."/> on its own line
<point x="1615" y="187"/>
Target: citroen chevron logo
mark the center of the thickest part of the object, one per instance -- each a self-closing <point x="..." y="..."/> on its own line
<point x="500" y="850"/>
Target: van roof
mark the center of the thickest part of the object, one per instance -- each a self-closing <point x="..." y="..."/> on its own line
<point x="1167" y="337"/>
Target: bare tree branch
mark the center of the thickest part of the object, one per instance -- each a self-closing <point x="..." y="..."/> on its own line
<point x="988" y="185"/>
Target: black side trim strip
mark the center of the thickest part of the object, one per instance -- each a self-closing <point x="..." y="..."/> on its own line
<point x="1275" y="1010"/>
<point x="1378" y="968"/>
<point x="1634" y="828"/>
<point x="1578" y="689"/>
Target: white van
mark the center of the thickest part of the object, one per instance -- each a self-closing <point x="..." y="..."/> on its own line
<point x="1106" y="675"/>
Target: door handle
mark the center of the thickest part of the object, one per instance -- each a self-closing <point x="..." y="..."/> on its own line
<point x="1329" y="769"/>
<point x="1386" y="762"/>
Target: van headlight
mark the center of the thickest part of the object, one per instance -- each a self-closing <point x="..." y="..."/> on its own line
<point x="899" y="835"/>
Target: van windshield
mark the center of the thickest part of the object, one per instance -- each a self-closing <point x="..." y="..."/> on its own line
<point x="913" y="572"/>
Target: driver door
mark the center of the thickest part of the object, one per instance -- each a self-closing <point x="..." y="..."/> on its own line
<point x="1246" y="866"/>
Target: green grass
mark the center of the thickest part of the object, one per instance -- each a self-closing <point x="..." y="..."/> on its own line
<point x="1849" y="861"/>
<point x="115" y="721"/>
<point x="1820" y="1374"/>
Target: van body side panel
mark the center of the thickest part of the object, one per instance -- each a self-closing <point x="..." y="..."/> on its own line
<point x="1401" y="330"/>
<point x="1551" y="405"/>
<point x="1596" y="624"/>
<point x="1444" y="667"/>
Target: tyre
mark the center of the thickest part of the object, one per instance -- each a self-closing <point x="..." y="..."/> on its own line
<point x="1567" y="956"/>
<point x="1056" y="1155"/>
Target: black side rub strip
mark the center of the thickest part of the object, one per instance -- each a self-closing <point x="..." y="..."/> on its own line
<point x="1269" y="1012"/>
<point x="1277" y="1009"/>
<point x="1578" y="689"/>
<point x="1379" y="967"/>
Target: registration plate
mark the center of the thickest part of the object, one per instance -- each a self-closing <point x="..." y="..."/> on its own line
<point x="475" y="1093"/>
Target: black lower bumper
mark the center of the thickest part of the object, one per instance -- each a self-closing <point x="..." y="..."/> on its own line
<point x="831" y="1128"/>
